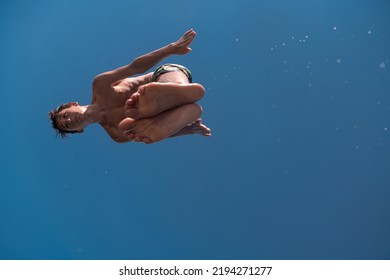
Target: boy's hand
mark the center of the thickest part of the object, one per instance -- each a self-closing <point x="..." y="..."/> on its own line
<point x="181" y="46"/>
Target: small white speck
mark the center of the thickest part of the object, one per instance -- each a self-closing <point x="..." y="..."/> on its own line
<point x="334" y="28"/>
<point x="369" y="32"/>
<point x="338" y="60"/>
<point x="300" y="40"/>
<point x="382" y="65"/>
<point x="385" y="129"/>
<point x="106" y="172"/>
<point x="356" y="147"/>
<point x="309" y="85"/>
<point x="283" y="44"/>
<point x="307" y="36"/>
<point x="292" y="37"/>
<point x="236" y="39"/>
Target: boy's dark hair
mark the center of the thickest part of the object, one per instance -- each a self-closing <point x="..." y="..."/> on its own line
<point x="53" y="115"/>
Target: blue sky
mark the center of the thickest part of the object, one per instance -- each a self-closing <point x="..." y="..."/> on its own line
<point x="298" y="164"/>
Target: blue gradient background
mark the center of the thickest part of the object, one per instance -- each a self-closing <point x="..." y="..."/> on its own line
<point x="298" y="166"/>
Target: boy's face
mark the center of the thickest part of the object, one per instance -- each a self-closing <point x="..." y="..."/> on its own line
<point x="71" y="119"/>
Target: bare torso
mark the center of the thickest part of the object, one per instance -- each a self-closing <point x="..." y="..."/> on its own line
<point x="111" y="102"/>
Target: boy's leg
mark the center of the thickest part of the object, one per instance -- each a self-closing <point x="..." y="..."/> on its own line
<point x="164" y="125"/>
<point x="155" y="98"/>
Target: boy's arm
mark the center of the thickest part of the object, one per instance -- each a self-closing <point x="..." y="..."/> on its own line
<point x="146" y="61"/>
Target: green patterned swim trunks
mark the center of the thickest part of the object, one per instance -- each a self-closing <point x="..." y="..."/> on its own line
<point x="165" y="68"/>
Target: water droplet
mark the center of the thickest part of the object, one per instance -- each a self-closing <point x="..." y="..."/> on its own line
<point x="307" y="36"/>
<point x="369" y="32"/>
<point x="382" y="65"/>
<point x="338" y="60"/>
<point x="334" y="28"/>
<point x="236" y="39"/>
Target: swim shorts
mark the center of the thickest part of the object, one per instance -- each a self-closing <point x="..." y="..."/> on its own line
<point x="166" y="68"/>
